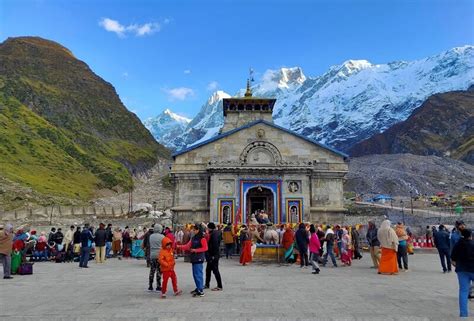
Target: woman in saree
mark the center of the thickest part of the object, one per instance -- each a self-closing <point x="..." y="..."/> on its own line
<point x="389" y="245"/>
<point x="246" y="251"/>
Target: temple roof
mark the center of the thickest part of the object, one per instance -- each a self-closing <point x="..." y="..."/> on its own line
<point x="261" y="121"/>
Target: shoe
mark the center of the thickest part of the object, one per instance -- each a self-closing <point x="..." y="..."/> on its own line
<point x="158" y="289"/>
<point x="179" y="292"/>
<point x="206" y="286"/>
<point x="217" y="289"/>
<point x="163" y="296"/>
<point x="445" y="272"/>
<point x="150" y="288"/>
<point x="199" y="294"/>
<point x="193" y="291"/>
<point x="406" y="270"/>
<point x="8" y="277"/>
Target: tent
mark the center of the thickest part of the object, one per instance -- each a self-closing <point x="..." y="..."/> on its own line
<point x="382" y="198"/>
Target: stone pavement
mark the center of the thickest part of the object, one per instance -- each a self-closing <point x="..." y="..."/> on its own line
<point x="116" y="291"/>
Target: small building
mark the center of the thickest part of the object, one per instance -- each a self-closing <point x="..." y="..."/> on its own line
<point x="255" y="165"/>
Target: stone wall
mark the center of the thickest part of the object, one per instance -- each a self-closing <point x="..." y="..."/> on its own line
<point x="54" y="212"/>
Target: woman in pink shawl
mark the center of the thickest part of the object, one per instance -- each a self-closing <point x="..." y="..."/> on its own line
<point x="346" y="251"/>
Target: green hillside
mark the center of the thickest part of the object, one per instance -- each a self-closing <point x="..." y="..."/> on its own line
<point x="63" y="130"/>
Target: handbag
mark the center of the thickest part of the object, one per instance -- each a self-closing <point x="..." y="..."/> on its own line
<point x="25" y="268"/>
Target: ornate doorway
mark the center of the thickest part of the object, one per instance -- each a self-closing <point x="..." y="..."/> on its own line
<point x="260" y="195"/>
<point x="260" y="198"/>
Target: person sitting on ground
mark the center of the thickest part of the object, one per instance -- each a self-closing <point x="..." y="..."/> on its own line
<point x="40" y="251"/>
<point x="167" y="263"/>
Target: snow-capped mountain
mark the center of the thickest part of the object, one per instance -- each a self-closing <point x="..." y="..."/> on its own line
<point x="348" y="103"/>
<point x="166" y="126"/>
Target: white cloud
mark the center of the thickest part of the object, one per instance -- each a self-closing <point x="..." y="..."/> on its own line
<point x="136" y="29"/>
<point x="187" y="71"/>
<point x="180" y="93"/>
<point x="145" y="29"/>
<point x="212" y="85"/>
<point x="112" y="26"/>
<point x="125" y="74"/>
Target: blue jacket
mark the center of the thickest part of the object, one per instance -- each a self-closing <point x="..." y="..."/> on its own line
<point x="86" y="238"/>
<point x="455" y="237"/>
<point x="441" y="240"/>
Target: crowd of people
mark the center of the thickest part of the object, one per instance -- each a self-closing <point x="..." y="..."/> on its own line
<point x="309" y="244"/>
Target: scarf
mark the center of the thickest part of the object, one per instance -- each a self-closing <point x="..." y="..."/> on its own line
<point x="387" y="236"/>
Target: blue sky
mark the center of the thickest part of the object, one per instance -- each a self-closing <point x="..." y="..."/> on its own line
<point x="161" y="54"/>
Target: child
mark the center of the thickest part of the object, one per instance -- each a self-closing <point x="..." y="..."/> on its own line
<point x="167" y="263"/>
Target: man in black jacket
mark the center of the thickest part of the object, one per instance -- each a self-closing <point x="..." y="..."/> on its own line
<point x="108" y="240"/>
<point x="462" y="257"/>
<point x="100" y="238"/>
<point x="302" y="241"/>
<point x="86" y="244"/>
<point x="441" y="241"/>
<point x="212" y="257"/>
<point x="146" y="244"/>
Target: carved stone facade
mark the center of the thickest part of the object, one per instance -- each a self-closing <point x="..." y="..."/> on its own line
<point x="258" y="166"/>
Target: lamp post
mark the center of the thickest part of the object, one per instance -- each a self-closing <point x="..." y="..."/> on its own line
<point x="411" y="201"/>
<point x="403" y="212"/>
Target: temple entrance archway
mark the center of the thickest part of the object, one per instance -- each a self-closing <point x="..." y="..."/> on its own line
<point x="260" y="198"/>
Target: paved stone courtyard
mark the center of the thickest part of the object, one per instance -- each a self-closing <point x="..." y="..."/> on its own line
<point x="116" y="291"/>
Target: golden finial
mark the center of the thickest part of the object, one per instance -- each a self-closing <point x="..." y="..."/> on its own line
<point x="248" y="92"/>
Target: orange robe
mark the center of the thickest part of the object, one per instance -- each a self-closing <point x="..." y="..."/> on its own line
<point x="388" y="261"/>
<point x="246" y="255"/>
<point x="288" y="238"/>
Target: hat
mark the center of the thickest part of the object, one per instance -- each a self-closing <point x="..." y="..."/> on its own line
<point x="211" y="226"/>
<point x="158" y="228"/>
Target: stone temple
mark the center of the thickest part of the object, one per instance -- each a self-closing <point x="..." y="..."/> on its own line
<point x="255" y="165"/>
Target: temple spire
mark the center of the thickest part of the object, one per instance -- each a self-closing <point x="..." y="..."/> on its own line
<point x="248" y="92"/>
